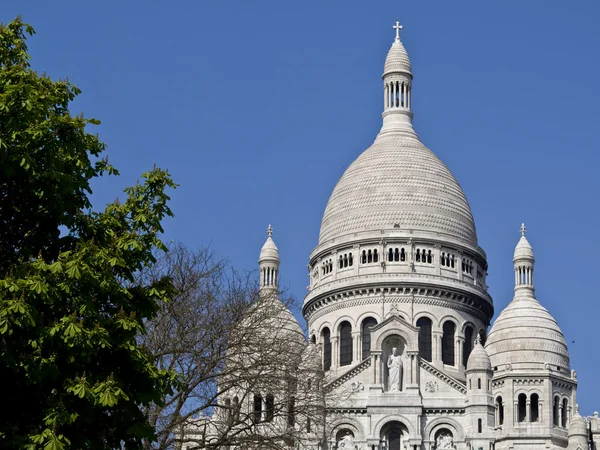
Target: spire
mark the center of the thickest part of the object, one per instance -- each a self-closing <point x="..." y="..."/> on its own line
<point x="397" y="87"/>
<point x="523" y="261"/>
<point x="268" y="262"/>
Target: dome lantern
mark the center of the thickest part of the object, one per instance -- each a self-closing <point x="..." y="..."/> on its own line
<point x="523" y="261"/>
<point x="268" y="262"/>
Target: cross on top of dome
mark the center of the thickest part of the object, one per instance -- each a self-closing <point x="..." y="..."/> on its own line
<point x="397" y="27"/>
<point x="523" y="229"/>
<point x="270" y="231"/>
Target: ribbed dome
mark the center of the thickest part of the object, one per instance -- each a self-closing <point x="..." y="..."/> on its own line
<point x="397" y="59"/>
<point x="398" y="183"/>
<point x="527" y="335"/>
<point x="479" y="359"/>
<point x="269" y="250"/>
<point x="523" y="249"/>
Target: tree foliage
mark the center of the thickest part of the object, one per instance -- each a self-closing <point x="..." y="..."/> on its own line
<point x="71" y="306"/>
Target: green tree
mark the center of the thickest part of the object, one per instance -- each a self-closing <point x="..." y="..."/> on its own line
<point x="73" y="375"/>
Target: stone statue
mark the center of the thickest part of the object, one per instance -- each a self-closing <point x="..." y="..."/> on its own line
<point x="394" y="364"/>
<point x="346" y="443"/>
<point x="444" y="441"/>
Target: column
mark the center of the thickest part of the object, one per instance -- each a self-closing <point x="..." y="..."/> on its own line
<point x="436" y="347"/>
<point x="263" y="414"/>
<point x="458" y="351"/>
<point x="385" y="87"/>
<point x="527" y="410"/>
<point x="404" y="96"/>
<point x="409" y="97"/>
<point x="516" y="413"/>
<point x="560" y="414"/>
<point x="357" y="347"/>
<point x="335" y="352"/>
<point x="393" y="94"/>
<point x="374" y="366"/>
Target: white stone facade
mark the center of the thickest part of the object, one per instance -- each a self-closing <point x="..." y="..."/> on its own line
<point x="398" y="266"/>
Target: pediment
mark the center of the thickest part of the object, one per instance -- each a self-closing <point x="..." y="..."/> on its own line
<point x="394" y="326"/>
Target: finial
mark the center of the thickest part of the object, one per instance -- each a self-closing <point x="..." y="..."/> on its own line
<point x="523" y="229"/>
<point x="397" y="27"/>
<point x="270" y="231"/>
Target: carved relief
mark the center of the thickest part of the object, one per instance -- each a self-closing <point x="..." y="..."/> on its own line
<point x="431" y="386"/>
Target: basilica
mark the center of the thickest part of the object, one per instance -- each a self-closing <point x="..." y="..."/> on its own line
<point x="399" y="317"/>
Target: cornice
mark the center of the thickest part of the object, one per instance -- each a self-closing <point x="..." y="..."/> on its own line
<point x="366" y="363"/>
<point x="451" y="381"/>
<point x="376" y="294"/>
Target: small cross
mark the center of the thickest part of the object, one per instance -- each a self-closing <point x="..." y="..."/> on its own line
<point x="523" y="229"/>
<point x="397" y="27"/>
<point x="270" y="231"/>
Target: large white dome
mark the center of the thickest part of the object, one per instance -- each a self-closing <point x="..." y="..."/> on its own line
<point x="398" y="183"/>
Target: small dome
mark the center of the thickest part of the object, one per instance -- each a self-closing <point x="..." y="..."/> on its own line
<point x="577" y="425"/>
<point x="311" y="358"/>
<point x="397" y="59"/>
<point x="523" y="249"/>
<point x="526" y="335"/>
<point x="478" y="359"/>
<point x="269" y="250"/>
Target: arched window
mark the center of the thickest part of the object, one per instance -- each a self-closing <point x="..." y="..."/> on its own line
<point x="555" y="411"/>
<point x="402" y="255"/>
<point x="482" y="337"/>
<point x="522" y="408"/>
<point x="448" y="343"/>
<point x="479" y="426"/>
<point x="452" y="261"/>
<point x="345" y="331"/>
<point x="418" y="256"/>
<point x="429" y="257"/>
<point x="499" y="411"/>
<point x="375" y="256"/>
<point x="369" y="256"/>
<point x="364" y="257"/>
<point x="565" y="413"/>
<point x="397" y="255"/>
<point x="468" y="345"/>
<point x="478" y="383"/>
<point x="470" y="385"/>
<point x="228" y="411"/>
<point x="350" y="259"/>
<point x="534" y="408"/>
<point x="270" y="408"/>
<point x="366" y="336"/>
<point x="443" y="259"/>
<point x="326" y="338"/>
<point x="257" y="408"/>
<point x="391" y="255"/>
<point x="313" y="339"/>
<point x="424" y="324"/>
<point x="308" y="424"/>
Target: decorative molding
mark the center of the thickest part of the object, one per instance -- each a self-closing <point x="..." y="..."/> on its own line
<point x="366" y="363"/>
<point x="451" y="381"/>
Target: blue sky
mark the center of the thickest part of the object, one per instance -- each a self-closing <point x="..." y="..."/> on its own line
<point x="257" y="108"/>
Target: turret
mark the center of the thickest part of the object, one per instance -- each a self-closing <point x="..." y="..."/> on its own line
<point x="268" y="263"/>
<point x="479" y="403"/>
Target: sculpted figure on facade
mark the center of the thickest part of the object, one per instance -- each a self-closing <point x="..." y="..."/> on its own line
<point x="444" y="441"/>
<point x="395" y="367"/>
<point x="346" y="443"/>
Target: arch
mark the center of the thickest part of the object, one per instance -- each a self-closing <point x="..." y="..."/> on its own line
<point x="479" y="426"/>
<point x="339" y="320"/>
<point x="448" y="342"/>
<point x="350" y="423"/>
<point x="313" y="338"/>
<point x="449" y="317"/>
<point x="365" y="331"/>
<point x="345" y="334"/>
<point x="521" y="407"/>
<point x="444" y="422"/>
<point x="565" y="413"/>
<point x="555" y="414"/>
<point x="534" y="408"/>
<point x="322" y="326"/>
<point x="382" y="335"/>
<point x="393" y="418"/>
<point x="499" y="411"/>
<point x="425" y="337"/>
